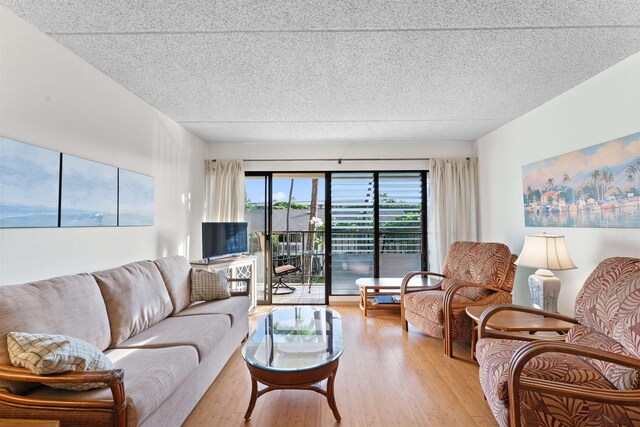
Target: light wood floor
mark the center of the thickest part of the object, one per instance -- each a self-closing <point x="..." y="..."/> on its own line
<point x="385" y="378"/>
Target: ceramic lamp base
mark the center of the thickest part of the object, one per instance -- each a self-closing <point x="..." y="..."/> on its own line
<point x="544" y="291"/>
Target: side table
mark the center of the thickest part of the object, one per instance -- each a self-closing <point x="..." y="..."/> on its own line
<point x="514" y="321"/>
<point x="371" y="287"/>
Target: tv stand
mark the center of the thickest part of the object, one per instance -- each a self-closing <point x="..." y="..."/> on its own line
<point x="240" y="266"/>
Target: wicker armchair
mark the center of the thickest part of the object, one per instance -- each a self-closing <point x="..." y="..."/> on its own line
<point x="592" y="378"/>
<point x="474" y="274"/>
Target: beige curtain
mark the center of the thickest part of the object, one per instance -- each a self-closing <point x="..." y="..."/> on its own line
<point x="224" y="191"/>
<point x="453" y="205"/>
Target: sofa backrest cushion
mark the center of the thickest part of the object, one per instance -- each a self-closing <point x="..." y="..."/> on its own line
<point x="609" y="302"/>
<point x="175" y="271"/>
<point x="487" y="263"/>
<point x="68" y="305"/>
<point x="135" y="296"/>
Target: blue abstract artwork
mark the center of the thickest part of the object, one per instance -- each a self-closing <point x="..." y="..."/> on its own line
<point x="89" y="193"/>
<point x="136" y="198"/>
<point x="29" y="181"/>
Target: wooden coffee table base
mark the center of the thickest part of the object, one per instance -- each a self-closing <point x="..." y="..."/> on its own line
<point x="300" y="380"/>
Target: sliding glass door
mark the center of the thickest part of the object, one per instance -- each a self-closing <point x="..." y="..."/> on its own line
<point x="378" y="226"/>
<point x="286" y="215"/>
<point x="361" y="224"/>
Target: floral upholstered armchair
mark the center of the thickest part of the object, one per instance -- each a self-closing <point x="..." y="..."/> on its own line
<point x="474" y="274"/>
<point x="590" y="379"/>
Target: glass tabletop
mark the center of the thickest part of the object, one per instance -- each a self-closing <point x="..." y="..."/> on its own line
<point x="295" y="339"/>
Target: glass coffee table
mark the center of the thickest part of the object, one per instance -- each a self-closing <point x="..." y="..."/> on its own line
<point x="295" y="348"/>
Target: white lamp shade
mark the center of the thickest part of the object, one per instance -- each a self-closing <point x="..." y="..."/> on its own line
<point x="545" y="251"/>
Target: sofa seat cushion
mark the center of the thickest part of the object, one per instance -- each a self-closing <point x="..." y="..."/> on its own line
<point x="150" y="377"/>
<point x="494" y="356"/>
<point x="68" y="305"/>
<point x="135" y="296"/>
<point x="203" y="333"/>
<point x="235" y="307"/>
<point x="622" y="377"/>
<point x="430" y="304"/>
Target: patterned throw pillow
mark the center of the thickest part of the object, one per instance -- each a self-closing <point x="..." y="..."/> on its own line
<point x="45" y="354"/>
<point x="209" y="285"/>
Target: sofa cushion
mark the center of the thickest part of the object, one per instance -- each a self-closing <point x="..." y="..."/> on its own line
<point x="622" y="377"/>
<point x="68" y="305"/>
<point x="494" y="356"/>
<point x="135" y="297"/>
<point x="430" y="304"/>
<point x="203" y="333"/>
<point x="45" y="354"/>
<point x="151" y="375"/>
<point x="235" y="307"/>
<point x="209" y="285"/>
<point x="175" y="271"/>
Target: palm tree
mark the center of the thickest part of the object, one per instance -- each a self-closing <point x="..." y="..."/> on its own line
<point x="565" y="180"/>
<point x="595" y="177"/>
<point x="529" y="191"/>
<point x="631" y="171"/>
<point x="608" y="179"/>
<point x="313" y="212"/>
<point x="549" y="182"/>
<point x="288" y="217"/>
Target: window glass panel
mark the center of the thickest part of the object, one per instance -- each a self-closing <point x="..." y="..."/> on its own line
<point x="352" y="204"/>
<point x="400" y="216"/>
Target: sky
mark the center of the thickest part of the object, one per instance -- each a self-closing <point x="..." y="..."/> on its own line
<point x="607" y="154"/>
<point x="301" y="189"/>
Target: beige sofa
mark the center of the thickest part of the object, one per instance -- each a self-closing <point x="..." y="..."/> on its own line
<point x="167" y="351"/>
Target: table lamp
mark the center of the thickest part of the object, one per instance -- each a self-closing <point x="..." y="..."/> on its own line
<point x="545" y="252"/>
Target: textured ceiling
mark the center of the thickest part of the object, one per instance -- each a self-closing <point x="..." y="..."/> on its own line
<point x="309" y="70"/>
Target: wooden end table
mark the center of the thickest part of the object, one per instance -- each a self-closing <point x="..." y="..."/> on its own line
<point x="515" y="321"/>
<point x="371" y="287"/>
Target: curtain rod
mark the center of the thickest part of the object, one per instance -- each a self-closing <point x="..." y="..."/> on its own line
<point x="351" y="159"/>
<point x="359" y="159"/>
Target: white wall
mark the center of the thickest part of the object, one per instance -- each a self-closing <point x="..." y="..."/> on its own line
<point x="416" y="150"/>
<point x="51" y="98"/>
<point x="602" y="108"/>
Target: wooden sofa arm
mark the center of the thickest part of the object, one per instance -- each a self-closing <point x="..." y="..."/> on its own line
<point x="516" y="382"/>
<point x="449" y="306"/>
<point x="240" y="293"/>
<point x="490" y="311"/>
<point x="114" y="379"/>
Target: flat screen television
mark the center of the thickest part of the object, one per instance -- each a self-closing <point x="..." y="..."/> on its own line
<point x="220" y="239"/>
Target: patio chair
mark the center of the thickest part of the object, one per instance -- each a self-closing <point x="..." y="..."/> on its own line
<point x="473" y="274"/>
<point x="284" y="266"/>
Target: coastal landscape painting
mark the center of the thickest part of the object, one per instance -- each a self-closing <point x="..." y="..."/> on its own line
<point x="136" y="199"/>
<point x="596" y="187"/>
<point x="29" y="181"/>
<point x="89" y="193"/>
